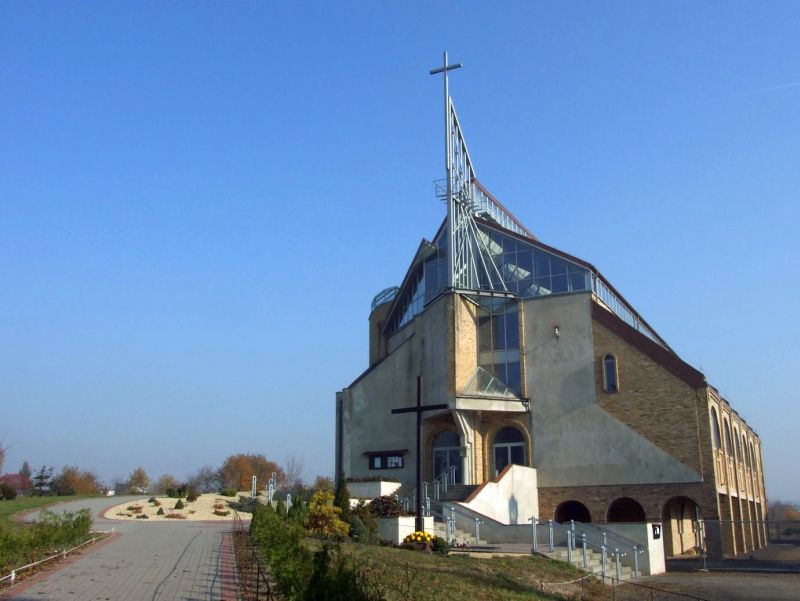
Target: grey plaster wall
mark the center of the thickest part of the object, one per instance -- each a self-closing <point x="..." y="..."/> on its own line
<point x="368" y="424"/>
<point x="576" y="443"/>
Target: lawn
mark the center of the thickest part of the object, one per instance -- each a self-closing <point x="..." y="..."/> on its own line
<point x="416" y="576"/>
<point x="9" y="508"/>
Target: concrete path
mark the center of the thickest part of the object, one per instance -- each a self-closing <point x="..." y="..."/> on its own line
<point x="184" y="560"/>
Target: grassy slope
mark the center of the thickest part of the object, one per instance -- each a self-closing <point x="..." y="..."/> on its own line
<point x="9" y="508"/>
<point x="415" y="576"/>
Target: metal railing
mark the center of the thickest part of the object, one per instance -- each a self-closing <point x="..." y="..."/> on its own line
<point x="251" y="574"/>
<point x="578" y="538"/>
<point x="11" y="578"/>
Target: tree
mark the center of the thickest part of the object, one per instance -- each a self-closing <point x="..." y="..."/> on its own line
<point x="73" y="481"/>
<point x="25" y="470"/>
<point x="206" y="479"/>
<point x="342" y="497"/>
<point x="238" y="470"/>
<point x="323" y="516"/>
<point x="138" y="481"/>
<point x="783" y="512"/>
<point x="165" y="482"/>
<point x="294" y="473"/>
<point x="323" y="483"/>
<point x="41" y="481"/>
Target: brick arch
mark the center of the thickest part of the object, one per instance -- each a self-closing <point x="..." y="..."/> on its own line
<point x="491" y="432"/>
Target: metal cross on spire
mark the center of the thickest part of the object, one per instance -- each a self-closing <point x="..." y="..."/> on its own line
<point x="468" y="263"/>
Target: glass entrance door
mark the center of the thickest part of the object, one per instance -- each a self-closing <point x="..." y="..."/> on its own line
<point x="447" y="455"/>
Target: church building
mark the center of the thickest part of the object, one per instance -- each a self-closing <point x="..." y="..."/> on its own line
<point x="542" y="363"/>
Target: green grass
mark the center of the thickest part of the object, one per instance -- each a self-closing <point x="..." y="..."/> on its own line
<point x="415" y="576"/>
<point x="9" y="508"/>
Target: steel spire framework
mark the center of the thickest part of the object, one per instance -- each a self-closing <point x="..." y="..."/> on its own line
<point x="468" y="260"/>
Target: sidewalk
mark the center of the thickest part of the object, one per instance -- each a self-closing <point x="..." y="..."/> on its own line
<point x="146" y="562"/>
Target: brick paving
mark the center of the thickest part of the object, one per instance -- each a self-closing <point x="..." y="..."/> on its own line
<point x="146" y="562"/>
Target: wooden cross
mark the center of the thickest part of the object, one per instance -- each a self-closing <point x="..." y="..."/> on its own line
<point x="419" y="523"/>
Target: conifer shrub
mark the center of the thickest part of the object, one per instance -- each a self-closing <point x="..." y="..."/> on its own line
<point x="191" y="495"/>
<point x="179" y="504"/>
<point x="160" y="511"/>
<point x="228" y="492"/>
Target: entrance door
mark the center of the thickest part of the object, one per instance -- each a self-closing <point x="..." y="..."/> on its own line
<point x="509" y="447"/>
<point x="447" y="454"/>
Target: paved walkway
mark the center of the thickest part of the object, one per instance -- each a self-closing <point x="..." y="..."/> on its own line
<point x="146" y="562"/>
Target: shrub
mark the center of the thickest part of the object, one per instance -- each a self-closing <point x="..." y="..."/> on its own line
<point x="219" y="506"/>
<point x="440" y="545"/>
<point x="247" y="504"/>
<point x="160" y="511"/>
<point x="157" y="503"/>
<point x="324" y="517"/>
<point x="134" y="508"/>
<point x="142" y="516"/>
<point x="228" y="492"/>
<point x="152" y="500"/>
<point x="175" y="516"/>
<point x="221" y="512"/>
<point x="191" y="496"/>
<point x="364" y="513"/>
<point x="386" y="507"/>
<point x="179" y="504"/>
<point x="7" y="493"/>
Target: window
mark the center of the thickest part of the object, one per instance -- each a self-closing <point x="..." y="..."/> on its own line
<point x="610" y="383"/>
<point x="498" y="340"/>
<point x="385" y="460"/>
<point x="715" y="429"/>
<point x="509" y="447"/>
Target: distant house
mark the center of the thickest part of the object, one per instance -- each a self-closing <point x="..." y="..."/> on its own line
<point x="20" y="483"/>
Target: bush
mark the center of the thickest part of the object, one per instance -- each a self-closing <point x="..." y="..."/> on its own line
<point x="364" y="513"/>
<point x="247" y="504"/>
<point x="440" y="545"/>
<point x="228" y="492"/>
<point x="386" y="507"/>
<point x="221" y="512"/>
<point x="142" y="516"/>
<point x="160" y="511"/>
<point x="191" y="496"/>
<point x="52" y="532"/>
<point x="175" y="516"/>
<point x="152" y="500"/>
<point x="179" y="504"/>
<point x="7" y="493"/>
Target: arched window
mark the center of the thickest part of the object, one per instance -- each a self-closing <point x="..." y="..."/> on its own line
<point x="610" y="383"/>
<point x="715" y="429"/>
<point x="508" y="447"/>
<point x="753" y="463"/>
<point x="728" y="447"/>
<point x="736" y="445"/>
<point x="745" y="454"/>
<point x="447" y="455"/>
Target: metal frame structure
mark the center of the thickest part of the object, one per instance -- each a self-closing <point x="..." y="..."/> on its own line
<point x="467" y="258"/>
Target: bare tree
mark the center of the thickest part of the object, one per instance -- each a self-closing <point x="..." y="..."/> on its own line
<point x="205" y="480"/>
<point x="294" y="472"/>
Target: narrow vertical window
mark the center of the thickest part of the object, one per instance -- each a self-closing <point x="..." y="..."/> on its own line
<point x="715" y="429"/>
<point x="610" y="374"/>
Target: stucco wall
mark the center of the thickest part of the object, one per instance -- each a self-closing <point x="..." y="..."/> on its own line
<point x="368" y="424"/>
<point x="512" y="499"/>
<point x="576" y="442"/>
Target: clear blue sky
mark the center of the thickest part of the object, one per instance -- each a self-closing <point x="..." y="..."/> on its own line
<point x="198" y="202"/>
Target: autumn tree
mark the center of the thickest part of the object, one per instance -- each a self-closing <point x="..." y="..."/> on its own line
<point x="783" y="512"/>
<point x="323" y="483"/>
<point x="165" y="482"/>
<point x="138" y="481"/>
<point x="238" y="470"/>
<point x="324" y="517"/>
<point x="73" y="481"/>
